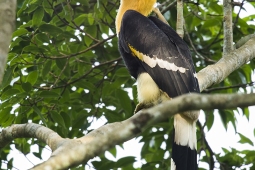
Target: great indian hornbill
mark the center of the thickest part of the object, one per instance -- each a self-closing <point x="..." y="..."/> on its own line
<point x="161" y="62"/>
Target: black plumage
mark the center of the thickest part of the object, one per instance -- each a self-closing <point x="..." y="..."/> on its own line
<point x="148" y="45"/>
<point x="152" y="37"/>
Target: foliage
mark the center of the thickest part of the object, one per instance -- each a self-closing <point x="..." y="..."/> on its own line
<point x="64" y="70"/>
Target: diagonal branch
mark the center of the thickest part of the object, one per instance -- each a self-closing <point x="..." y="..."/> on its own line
<point x="214" y="74"/>
<point x="114" y="133"/>
<point x="71" y="152"/>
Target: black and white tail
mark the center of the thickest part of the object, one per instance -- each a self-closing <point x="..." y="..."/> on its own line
<point x="184" y="151"/>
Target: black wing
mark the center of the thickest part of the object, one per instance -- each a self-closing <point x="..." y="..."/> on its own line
<point x="149" y="45"/>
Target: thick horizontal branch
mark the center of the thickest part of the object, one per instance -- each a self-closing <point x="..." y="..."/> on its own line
<point x="119" y="132"/>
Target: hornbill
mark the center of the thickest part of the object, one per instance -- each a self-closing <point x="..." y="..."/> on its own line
<point x="161" y="62"/>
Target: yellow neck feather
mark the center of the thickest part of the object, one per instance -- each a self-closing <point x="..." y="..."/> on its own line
<point x="142" y="6"/>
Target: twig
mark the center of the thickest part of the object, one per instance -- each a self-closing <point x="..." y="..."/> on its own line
<point x="204" y="141"/>
<point x="229" y="87"/>
<point x="169" y="7"/>
<point x="194" y="48"/>
<point x="238" y="14"/>
<point x="86" y="50"/>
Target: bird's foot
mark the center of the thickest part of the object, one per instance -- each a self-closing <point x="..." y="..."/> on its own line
<point x="141" y="106"/>
<point x="147" y="104"/>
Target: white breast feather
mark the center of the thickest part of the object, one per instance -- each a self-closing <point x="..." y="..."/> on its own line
<point x="146" y="87"/>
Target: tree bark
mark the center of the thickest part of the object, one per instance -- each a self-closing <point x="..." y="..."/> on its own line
<point x="7" y="25"/>
<point x="179" y="23"/>
<point x="228" y="28"/>
<point x="214" y="74"/>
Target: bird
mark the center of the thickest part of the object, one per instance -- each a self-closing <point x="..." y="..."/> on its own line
<point x="161" y="62"/>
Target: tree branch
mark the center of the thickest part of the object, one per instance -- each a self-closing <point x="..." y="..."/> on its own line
<point x="7" y="24"/>
<point x="243" y="85"/>
<point x="169" y="7"/>
<point x="243" y="40"/>
<point x="72" y="152"/>
<point x="228" y="28"/>
<point x="30" y="130"/>
<point x="214" y="74"/>
<point x="179" y="22"/>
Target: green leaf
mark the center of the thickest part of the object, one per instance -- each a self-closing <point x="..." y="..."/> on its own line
<point x="42" y="37"/>
<point x="32" y="48"/>
<point x="210" y="23"/>
<point x="31" y="8"/>
<point x="46" y="68"/>
<point x="122" y="72"/>
<point x="67" y="119"/>
<point x="227" y="116"/>
<point x="19" y="32"/>
<point x="92" y="30"/>
<point x="215" y="7"/>
<point x="40" y="115"/>
<point x="80" y="19"/>
<point x="113" y="151"/>
<point x="35" y="1"/>
<point x="26" y="86"/>
<point x="52" y="29"/>
<point x="125" y="161"/>
<point x="9" y="121"/>
<point x="90" y="19"/>
<point x="48" y="94"/>
<point x="47" y="7"/>
<point x="244" y="139"/>
<point x="9" y="94"/>
<point x="246" y="112"/>
<point x="209" y="119"/>
<point x="38" y="16"/>
<point x="58" y="118"/>
<point x="32" y="77"/>
<point x="4" y="114"/>
<point x="23" y="6"/>
<point x="124" y="100"/>
<point x="63" y="65"/>
<point x="7" y="77"/>
<point x="85" y="85"/>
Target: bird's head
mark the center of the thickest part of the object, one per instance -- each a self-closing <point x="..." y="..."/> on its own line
<point x="142" y="6"/>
